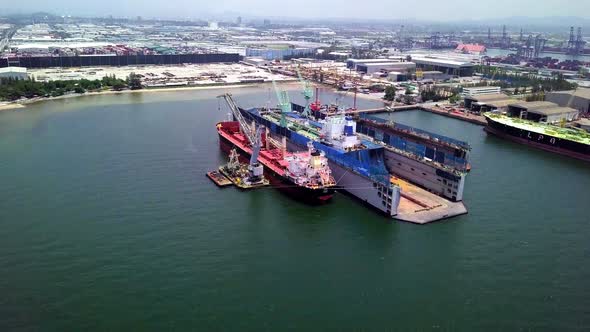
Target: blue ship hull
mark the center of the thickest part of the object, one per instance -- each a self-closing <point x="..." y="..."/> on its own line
<point x="362" y="173"/>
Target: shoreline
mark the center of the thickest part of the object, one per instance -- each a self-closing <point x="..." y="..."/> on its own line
<point x="16" y="105"/>
<point x="6" y="106"/>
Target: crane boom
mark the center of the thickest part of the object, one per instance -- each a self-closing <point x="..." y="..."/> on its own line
<point x="238" y="116"/>
<point x="283" y="100"/>
<point x="307" y="92"/>
<point x="255" y="169"/>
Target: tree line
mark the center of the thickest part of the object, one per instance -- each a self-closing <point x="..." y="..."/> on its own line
<point x="13" y="89"/>
<point x="505" y="79"/>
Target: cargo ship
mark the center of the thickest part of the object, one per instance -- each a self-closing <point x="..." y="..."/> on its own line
<point x="566" y="141"/>
<point x="305" y="175"/>
<point x="358" y="165"/>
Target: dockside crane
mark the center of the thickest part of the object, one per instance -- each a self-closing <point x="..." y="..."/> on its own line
<point x="255" y="169"/>
<point x="307" y="93"/>
<point x="283" y="101"/>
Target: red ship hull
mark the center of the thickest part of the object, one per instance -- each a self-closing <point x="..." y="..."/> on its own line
<point x="230" y="138"/>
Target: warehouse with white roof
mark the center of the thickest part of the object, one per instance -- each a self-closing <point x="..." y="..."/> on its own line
<point x="450" y="67"/>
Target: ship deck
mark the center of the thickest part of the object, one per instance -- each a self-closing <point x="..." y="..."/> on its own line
<point x="271" y="159"/>
<point x="542" y="128"/>
<point x="420" y="206"/>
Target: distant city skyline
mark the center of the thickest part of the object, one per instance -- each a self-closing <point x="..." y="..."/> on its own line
<point x="431" y="10"/>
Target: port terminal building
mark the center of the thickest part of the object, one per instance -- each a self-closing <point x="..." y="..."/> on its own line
<point x="578" y="99"/>
<point x="542" y="111"/>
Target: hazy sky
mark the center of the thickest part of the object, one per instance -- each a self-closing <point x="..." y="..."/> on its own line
<point x="443" y="10"/>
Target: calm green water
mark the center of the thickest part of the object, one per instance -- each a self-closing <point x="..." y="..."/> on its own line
<point x="107" y="222"/>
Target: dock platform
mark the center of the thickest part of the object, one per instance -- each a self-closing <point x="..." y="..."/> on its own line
<point x="420" y="206"/>
<point x="473" y="118"/>
<point x="468" y="117"/>
<point x="219" y="179"/>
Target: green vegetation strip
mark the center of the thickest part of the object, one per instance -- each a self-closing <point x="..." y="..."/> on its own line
<point x="15" y="89"/>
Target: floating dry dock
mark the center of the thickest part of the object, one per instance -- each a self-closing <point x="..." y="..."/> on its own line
<point x="450" y="113"/>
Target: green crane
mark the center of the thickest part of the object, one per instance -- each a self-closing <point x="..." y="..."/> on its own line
<point x="283" y="100"/>
<point x="307" y="93"/>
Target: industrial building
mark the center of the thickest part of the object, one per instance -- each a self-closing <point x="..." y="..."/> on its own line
<point x="280" y="49"/>
<point x="578" y="99"/>
<point x="449" y="67"/>
<point x="431" y="75"/>
<point x="481" y="90"/>
<point x="14" y="73"/>
<point x="542" y="111"/>
<point x="396" y="76"/>
<point x="280" y="54"/>
<point x="373" y="67"/>
<point x="353" y="63"/>
<point x="488" y="102"/>
<point x="258" y="62"/>
<point x="471" y="49"/>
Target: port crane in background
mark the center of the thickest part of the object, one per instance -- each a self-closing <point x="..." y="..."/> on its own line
<point x="341" y="96"/>
<point x="283" y="101"/>
<point x="307" y="93"/>
<point x="255" y="169"/>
